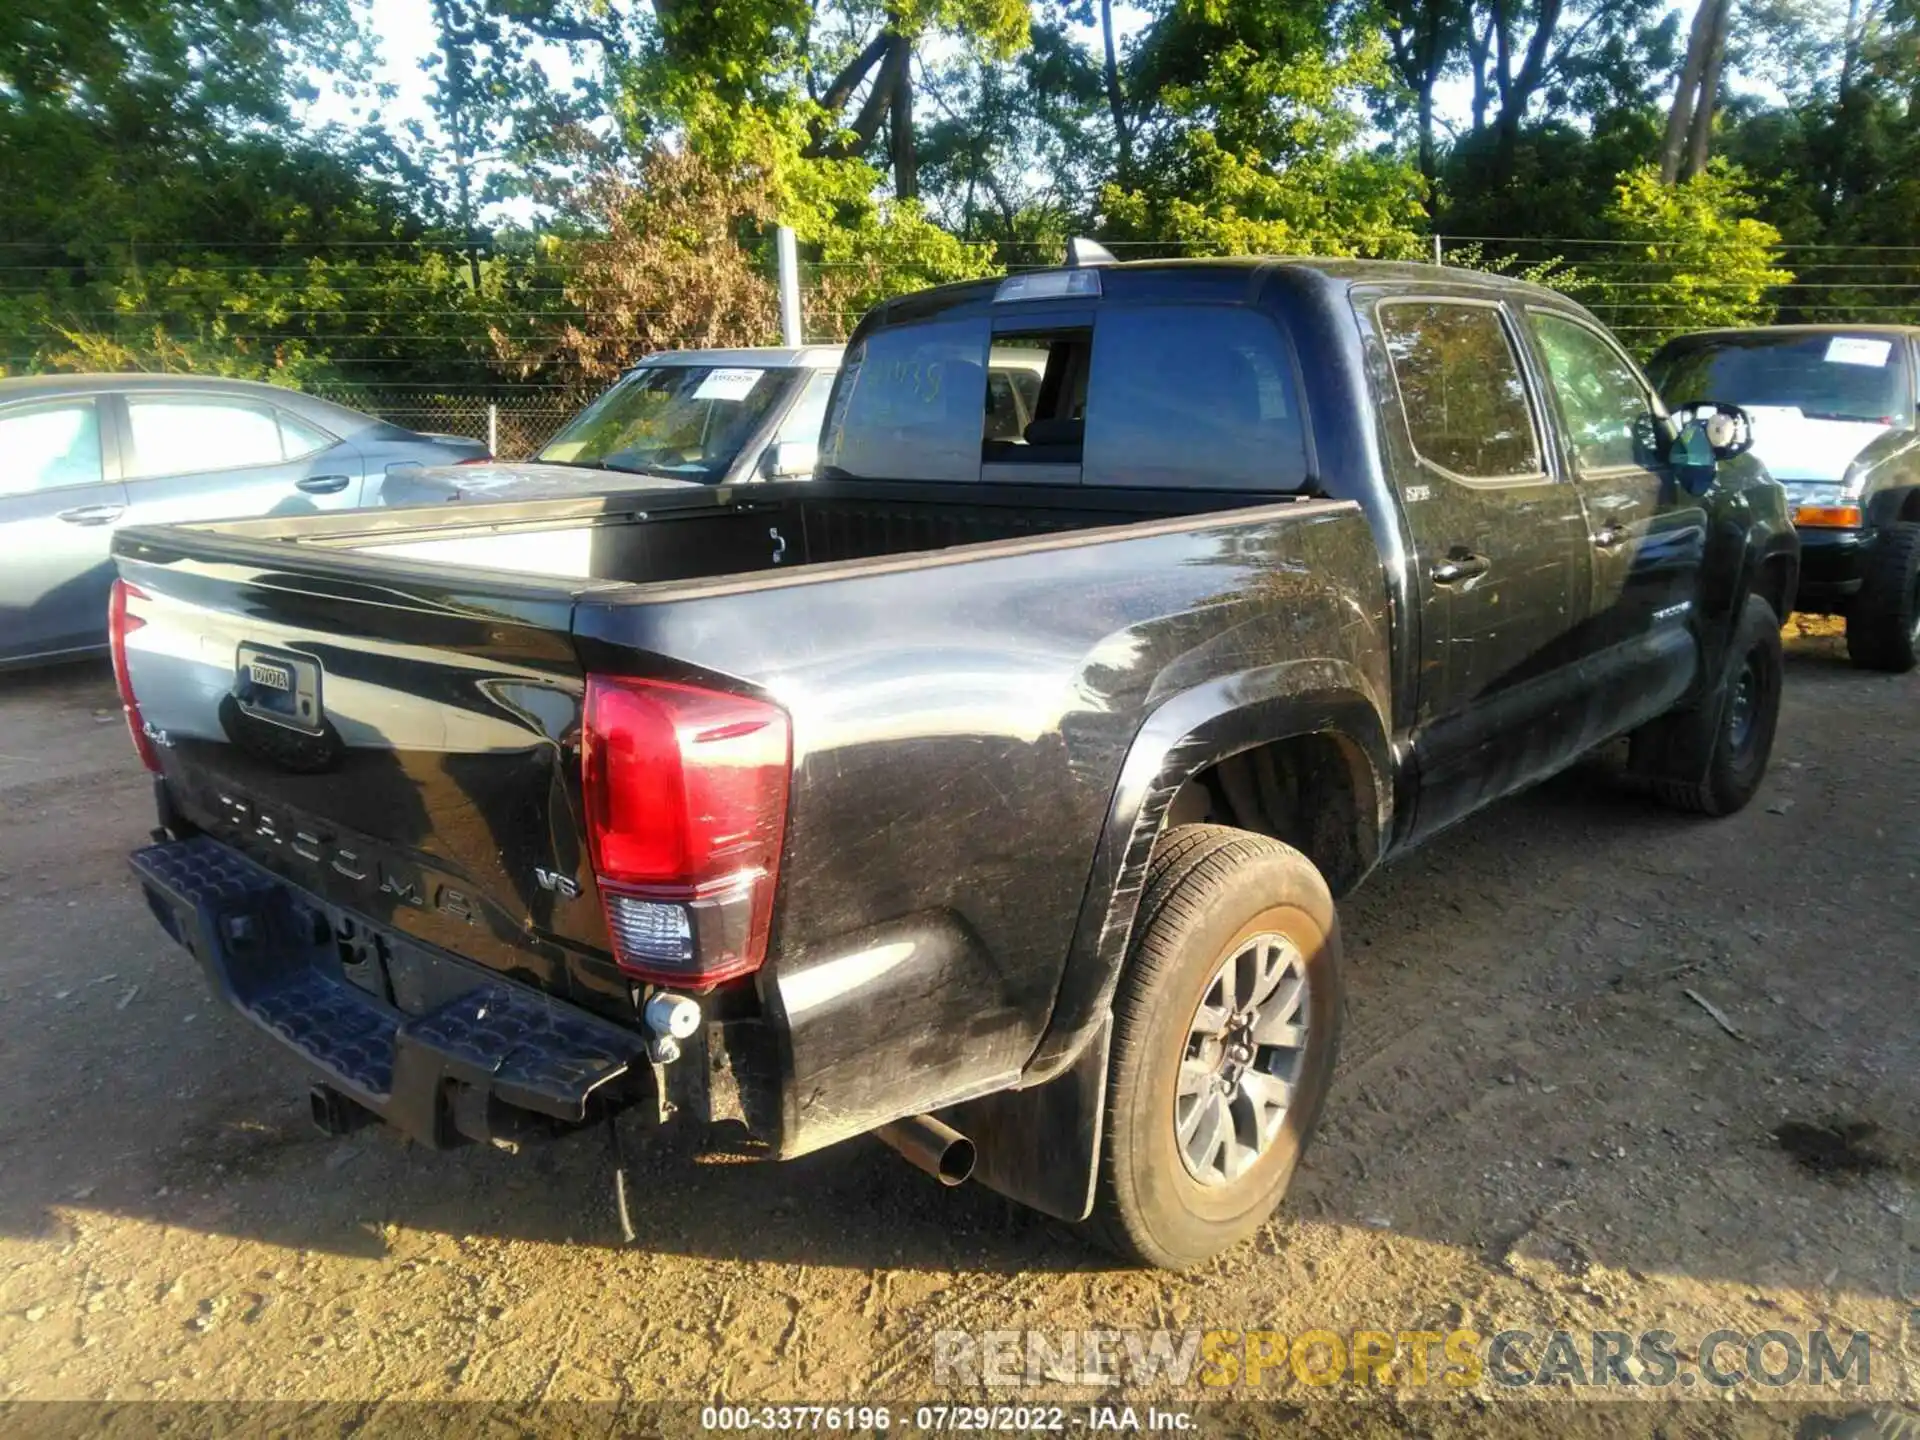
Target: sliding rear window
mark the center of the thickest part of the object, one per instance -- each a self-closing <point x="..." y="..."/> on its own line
<point x="1158" y="396"/>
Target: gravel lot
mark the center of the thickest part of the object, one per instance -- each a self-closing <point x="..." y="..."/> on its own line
<point x="1538" y="1125"/>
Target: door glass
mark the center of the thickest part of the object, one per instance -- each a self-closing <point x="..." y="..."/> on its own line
<point x="46" y="447"/>
<point x="178" y="437"/>
<point x="1602" y="401"/>
<point x="1197" y="397"/>
<point x="1461" y="388"/>
<point x="299" y="439"/>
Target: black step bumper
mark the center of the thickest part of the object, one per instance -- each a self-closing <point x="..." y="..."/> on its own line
<point x="270" y="950"/>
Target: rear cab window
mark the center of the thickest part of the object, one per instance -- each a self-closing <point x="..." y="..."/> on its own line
<point x="1153" y="395"/>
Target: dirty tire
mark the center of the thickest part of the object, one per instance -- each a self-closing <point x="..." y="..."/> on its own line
<point x="1737" y="762"/>
<point x="1208" y="888"/>
<point x="1883" y="622"/>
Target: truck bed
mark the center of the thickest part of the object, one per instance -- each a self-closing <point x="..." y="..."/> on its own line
<point x="657" y="537"/>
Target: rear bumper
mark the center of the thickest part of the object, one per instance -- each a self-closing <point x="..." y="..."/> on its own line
<point x="429" y="1043"/>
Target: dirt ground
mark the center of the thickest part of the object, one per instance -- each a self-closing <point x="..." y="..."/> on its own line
<point x="1539" y="1123"/>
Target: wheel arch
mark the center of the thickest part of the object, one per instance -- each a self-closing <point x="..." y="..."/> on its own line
<point x="1320" y="713"/>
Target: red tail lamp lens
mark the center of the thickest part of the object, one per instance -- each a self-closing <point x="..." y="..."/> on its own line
<point x="686" y="793"/>
<point x="120" y="624"/>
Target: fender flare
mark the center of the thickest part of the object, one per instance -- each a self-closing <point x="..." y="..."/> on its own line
<point x="1183" y="736"/>
<point x="1765" y="543"/>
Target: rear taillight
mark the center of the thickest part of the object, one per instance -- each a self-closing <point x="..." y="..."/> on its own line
<point x="476" y="460"/>
<point x="120" y="624"/>
<point x="686" y="799"/>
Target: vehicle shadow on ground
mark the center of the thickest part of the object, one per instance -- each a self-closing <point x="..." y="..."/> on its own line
<point x="1479" y="914"/>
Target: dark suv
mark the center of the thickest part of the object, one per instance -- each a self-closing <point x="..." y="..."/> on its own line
<point x="1833" y="410"/>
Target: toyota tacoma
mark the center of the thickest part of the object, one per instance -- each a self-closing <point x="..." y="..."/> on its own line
<point x="992" y="789"/>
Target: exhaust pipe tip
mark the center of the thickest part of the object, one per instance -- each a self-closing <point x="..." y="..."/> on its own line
<point x="931" y="1145"/>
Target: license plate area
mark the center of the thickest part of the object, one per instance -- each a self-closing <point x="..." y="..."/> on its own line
<point x="279" y="686"/>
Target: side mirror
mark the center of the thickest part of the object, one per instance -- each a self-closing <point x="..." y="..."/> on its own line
<point x="789" y="460"/>
<point x="1709" y="431"/>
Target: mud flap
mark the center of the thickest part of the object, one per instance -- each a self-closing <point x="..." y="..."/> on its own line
<point x="1041" y="1146"/>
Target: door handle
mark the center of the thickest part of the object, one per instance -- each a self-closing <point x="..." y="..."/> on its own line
<point x="323" y="484"/>
<point x="92" y="514"/>
<point x="1458" y="567"/>
<point x="1611" y="536"/>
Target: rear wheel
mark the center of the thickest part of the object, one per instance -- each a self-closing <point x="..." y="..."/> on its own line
<point x="1734" y="728"/>
<point x="1225" y="1029"/>
<point x="1883" y="622"/>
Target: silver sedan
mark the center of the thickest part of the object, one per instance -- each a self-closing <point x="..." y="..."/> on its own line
<point x="83" y="454"/>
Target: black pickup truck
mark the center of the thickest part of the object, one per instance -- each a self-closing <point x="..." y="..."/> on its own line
<point x="989" y="791"/>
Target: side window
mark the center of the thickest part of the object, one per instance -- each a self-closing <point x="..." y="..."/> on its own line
<point x="910" y="404"/>
<point x="809" y="411"/>
<point x="50" y="446"/>
<point x="299" y="439"/>
<point x="1602" y="402"/>
<point x="1196" y="397"/>
<point x="179" y="436"/>
<point x="1461" y="388"/>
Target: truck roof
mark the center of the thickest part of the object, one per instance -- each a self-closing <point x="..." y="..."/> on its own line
<point x="1176" y="279"/>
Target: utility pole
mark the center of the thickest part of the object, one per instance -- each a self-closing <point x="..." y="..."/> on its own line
<point x="792" y="329"/>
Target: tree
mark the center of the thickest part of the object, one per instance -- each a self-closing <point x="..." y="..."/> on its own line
<point x="1683" y="154"/>
<point x="884" y="64"/>
<point x="1256" y="138"/>
<point x="1016" y="150"/>
<point x="1696" y="259"/>
<point x="664" y="269"/>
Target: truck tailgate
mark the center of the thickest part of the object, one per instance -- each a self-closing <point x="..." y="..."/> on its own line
<point x="407" y="752"/>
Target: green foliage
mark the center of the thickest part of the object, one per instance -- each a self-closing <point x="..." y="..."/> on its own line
<point x="164" y="207"/>
<point x="1554" y="272"/>
<point x="1260" y="152"/>
<point x="1696" y="257"/>
<point x="866" y="248"/>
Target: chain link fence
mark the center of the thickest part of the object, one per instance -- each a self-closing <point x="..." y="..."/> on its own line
<point x="514" y="422"/>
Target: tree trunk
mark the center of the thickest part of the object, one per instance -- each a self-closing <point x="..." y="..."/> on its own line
<point x="455" y="51"/>
<point x="1479" y="45"/>
<point x="848" y="80"/>
<point x="1680" y="117"/>
<point x="1700" y="133"/>
<point x="1517" y="90"/>
<point x="894" y="51"/>
<point x="1420" y="50"/>
<point x="1116" y="99"/>
<point x="906" y="170"/>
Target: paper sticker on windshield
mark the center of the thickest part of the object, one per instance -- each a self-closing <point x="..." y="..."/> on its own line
<point x="728" y="384"/>
<point x="1853" y="350"/>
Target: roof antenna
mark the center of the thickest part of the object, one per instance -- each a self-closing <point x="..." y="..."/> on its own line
<point x="1082" y="253"/>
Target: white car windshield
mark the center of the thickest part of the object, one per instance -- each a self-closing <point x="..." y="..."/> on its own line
<point x="1823" y="376"/>
<point x="684" y="421"/>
